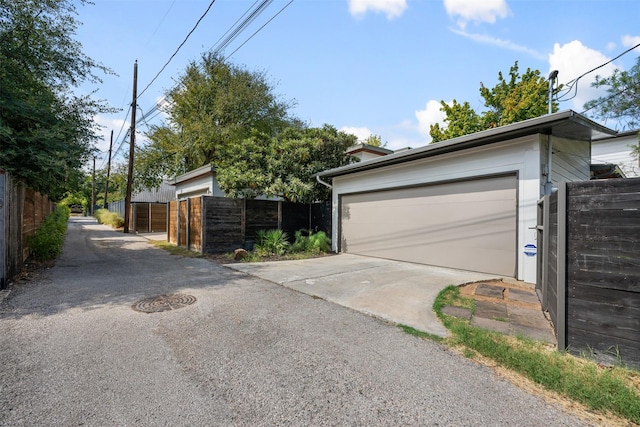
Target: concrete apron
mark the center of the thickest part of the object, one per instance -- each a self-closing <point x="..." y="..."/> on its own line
<point x="398" y="292"/>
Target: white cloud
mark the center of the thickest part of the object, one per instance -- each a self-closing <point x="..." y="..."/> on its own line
<point x="476" y="10"/>
<point x="504" y="44"/>
<point x="572" y="60"/>
<point x="429" y="116"/>
<point x="630" y="41"/>
<point x="104" y="133"/>
<point x="361" y="132"/>
<point x="611" y="46"/>
<point x="391" y="8"/>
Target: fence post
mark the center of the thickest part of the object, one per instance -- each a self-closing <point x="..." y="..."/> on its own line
<point x="178" y="222"/>
<point x="561" y="268"/>
<point x="3" y="241"/>
<point x="187" y="238"/>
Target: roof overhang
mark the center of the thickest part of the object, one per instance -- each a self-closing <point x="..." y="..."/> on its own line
<point x="196" y="173"/>
<point x="564" y="124"/>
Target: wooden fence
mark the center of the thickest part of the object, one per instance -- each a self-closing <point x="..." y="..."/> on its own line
<point x="143" y="217"/>
<point x="21" y="212"/>
<point x="217" y="224"/>
<point x="590" y="282"/>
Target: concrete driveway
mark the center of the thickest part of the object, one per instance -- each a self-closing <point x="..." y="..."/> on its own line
<point x="396" y="291"/>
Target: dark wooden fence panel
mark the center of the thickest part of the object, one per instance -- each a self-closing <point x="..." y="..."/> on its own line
<point x="141" y="212"/>
<point x="182" y="235"/>
<point x="552" y="284"/>
<point x="603" y="269"/>
<point x="223" y="220"/>
<point x="321" y="217"/>
<point x="260" y="215"/>
<point x="295" y="216"/>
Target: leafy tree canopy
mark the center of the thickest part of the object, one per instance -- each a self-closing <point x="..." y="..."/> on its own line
<point x="375" y="141"/>
<point x="228" y="116"/>
<point x="214" y="104"/>
<point x="46" y="132"/>
<point x="622" y="101"/>
<point x="284" y="165"/>
<point x="513" y="99"/>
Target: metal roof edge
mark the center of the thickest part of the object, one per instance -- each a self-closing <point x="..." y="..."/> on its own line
<point x="193" y="174"/>
<point x="535" y="125"/>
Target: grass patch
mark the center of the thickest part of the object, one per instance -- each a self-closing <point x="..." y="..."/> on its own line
<point x="176" y="250"/>
<point x="420" y="334"/>
<point x="614" y="390"/>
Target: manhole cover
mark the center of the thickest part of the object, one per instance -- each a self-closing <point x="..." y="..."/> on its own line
<point x="163" y="303"/>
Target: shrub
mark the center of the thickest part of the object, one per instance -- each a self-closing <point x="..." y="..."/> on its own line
<point x="272" y="242"/>
<point x="313" y="243"/>
<point x="49" y="238"/>
<point x="109" y="218"/>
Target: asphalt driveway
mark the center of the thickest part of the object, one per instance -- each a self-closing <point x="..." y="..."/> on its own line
<point x="247" y="352"/>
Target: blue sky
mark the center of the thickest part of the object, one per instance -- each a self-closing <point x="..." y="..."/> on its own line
<point x="365" y="66"/>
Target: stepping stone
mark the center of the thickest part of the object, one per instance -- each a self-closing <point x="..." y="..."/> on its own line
<point x="528" y="317"/>
<point x="490" y="310"/>
<point x="460" y="312"/>
<point x="493" y="325"/>
<point x="537" y="334"/>
<point x="523" y="296"/>
<point x="492" y="291"/>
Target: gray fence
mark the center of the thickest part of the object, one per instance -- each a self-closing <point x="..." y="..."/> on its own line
<point x="590" y="268"/>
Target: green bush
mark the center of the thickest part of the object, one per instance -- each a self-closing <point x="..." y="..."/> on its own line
<point x="49" y="238"/>
<point x="272" y="242"/>
<point x="109" y="218"/>
<point x="314" y="243"/>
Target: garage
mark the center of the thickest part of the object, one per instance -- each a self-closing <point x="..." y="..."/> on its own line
<point x="468" y="224"/>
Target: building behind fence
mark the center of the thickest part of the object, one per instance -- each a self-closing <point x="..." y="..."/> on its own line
<point x="589" y="278"/>
<point x="21" y="212"/>
<point x="209" y="224"/>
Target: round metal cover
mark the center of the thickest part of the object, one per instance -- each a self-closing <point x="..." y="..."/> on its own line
<point x="163" y="303"/>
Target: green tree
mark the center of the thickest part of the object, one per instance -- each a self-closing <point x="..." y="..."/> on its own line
<point x="215" y="104"/>
<point x="513" y="99"/>
<point x="375" y="141"/>
<point x="284" y="165"/>
<point x="622" y="101"/>
<point x="46" y="132"/>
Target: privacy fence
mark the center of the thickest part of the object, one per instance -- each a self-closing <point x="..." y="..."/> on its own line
<point x="143" y="217"/>
<point x="21" y="212"/>
<point x="589" y="272"/>
<point x="210" y="224"/>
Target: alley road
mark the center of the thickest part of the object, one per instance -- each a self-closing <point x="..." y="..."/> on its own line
<point x="248" y="352"/>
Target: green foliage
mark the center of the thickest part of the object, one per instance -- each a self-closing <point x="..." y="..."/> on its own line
<point x="47" y="242"/>
<point x="271" y="242"/>
<point x="583" y="381"/>
<point x="622" y="102"/>
<point x="284" y="165"/>
<point x="109" y="218"/>
<point x="375" y="141"/>
<point x="513" y="99"/>
<point x="313" y="243"/>
<point x="215" y="104"/>
<point x="46" y="133"/>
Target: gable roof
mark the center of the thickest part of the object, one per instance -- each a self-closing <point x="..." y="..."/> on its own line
<point x="564" y="124"/>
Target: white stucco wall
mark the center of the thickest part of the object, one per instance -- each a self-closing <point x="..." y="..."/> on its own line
<point x="618" y="152"/>
<point x="520" y="155"/>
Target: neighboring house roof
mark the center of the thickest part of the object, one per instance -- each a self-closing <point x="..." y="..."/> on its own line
<point x="564" y="124"/>
<point x="617" y="150"/>
<point x="366" y="148"/>
<point x="163" y="194"/>
<point x="196" y="173"/>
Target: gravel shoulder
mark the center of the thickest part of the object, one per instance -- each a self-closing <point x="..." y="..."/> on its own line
<point x="248" y="352"/>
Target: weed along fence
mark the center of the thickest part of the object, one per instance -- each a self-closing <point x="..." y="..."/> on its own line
<point x="21" y="212"/>
<point x="210" y="224"/>
<point x="590" y="268"/>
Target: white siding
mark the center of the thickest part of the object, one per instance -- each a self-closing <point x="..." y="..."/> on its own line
<point x="521" y="155"/>
<point x="205" y="185"/>
<point x="618" y="152"/>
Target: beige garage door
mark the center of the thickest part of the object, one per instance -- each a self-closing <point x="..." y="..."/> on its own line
<point x="469" y="225"/>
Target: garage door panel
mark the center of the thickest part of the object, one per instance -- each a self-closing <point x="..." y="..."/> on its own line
<point x="469" y="225"/>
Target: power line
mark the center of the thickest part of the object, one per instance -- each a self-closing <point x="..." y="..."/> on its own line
<point x="179" y="47"/>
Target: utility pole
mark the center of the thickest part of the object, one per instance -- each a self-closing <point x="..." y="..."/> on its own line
<point x="93" y="186"/>
<point x="132" y="140"/>
<point x="106" y="186"/>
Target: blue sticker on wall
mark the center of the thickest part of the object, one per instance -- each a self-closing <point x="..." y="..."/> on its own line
<point x="530" y="249"/>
